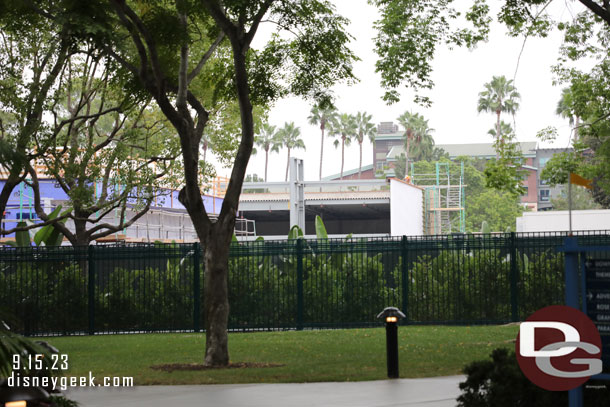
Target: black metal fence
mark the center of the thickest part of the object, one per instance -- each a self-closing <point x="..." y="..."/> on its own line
<point x="294" y="284"/>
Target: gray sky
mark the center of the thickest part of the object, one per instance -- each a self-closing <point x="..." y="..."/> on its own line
<point x="459" y="76"/>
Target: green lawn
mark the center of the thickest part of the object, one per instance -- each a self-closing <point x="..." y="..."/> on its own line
<point x="306" y="356"/>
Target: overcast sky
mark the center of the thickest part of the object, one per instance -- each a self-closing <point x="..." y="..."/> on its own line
<point x="459" y="76"/>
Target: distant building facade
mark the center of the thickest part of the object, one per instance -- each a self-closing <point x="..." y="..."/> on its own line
<point x="547" y="192"/>
<point x="389" y="146"/>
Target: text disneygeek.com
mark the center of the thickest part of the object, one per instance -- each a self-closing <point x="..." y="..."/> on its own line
<point x="62" y="383"/>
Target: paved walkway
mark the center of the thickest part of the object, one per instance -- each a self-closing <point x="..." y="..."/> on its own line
<point x="433" y="392"/>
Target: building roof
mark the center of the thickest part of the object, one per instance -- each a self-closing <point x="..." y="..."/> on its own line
<point x="476" y="150"/>
<point x="317" y="196"/>
<point x="484" y="150"/>
<point x="347" y="173"/>
<point x="390" y="136"/>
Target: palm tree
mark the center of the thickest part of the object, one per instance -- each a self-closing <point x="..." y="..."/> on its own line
<point x="505" y="128"/>
<point x="364" y="128"/>
<point x="406" y="120"/>
<point x="417" y="130"/>
<point x="345" y="129"/>
<point x="322" y="116"/>
<point x="267" y="140"/>
<point x="564" y="109"/>
<point x="499" y="96"/>
<point x="423" y="147"/>
<point x="289" y="137"/>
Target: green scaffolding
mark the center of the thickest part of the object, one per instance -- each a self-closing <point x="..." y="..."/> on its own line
<point x="444" y="211"/>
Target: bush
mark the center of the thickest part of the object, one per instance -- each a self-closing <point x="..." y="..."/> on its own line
<point x="499" y="382"/>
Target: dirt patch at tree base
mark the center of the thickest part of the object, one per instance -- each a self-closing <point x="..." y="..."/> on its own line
<point x="197" y="366"/>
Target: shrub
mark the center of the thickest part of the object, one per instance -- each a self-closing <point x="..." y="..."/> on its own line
<point x="499" y="382"/>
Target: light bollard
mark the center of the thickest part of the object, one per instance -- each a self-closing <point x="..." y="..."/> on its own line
<point x="391" y="316"/>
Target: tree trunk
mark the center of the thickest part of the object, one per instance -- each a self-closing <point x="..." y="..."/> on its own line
<point x="360" y="165"/>
<point x="322" y="126"/>
<point x="287" y="166"/>
<point x="216" y="296"/>
<point x="266" y="162"/>
<point x="80" y="231"/>
<point x="11" y="182"/>
<point x="407" y="154"/>
<point x="342" y="155"/>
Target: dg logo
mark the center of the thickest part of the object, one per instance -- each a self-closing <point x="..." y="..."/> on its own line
<point x="559" y="348"/>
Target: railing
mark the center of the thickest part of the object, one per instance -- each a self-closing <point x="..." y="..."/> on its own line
<point x="294" y="284"/>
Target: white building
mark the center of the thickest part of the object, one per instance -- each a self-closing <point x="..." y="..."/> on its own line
<point x="558" y="221"/>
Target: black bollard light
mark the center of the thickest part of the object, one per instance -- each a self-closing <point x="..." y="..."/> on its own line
<point x="391" y="316"/>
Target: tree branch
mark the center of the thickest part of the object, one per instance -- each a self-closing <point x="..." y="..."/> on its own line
<point x="600" y="11"/>
<point x="205" y="57"/>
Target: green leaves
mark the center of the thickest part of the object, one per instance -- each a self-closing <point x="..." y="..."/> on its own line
<point x="22" y="237"/>
<point x="320" y="228"/>
<point x="50" y="235"/>
<point x="410" y="31"/>
<point x="295" y="233"/>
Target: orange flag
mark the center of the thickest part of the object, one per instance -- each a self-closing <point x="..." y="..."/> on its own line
<point x="578" y="180"/>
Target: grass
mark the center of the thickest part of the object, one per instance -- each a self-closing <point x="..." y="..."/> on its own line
<point x="306" y="356"/>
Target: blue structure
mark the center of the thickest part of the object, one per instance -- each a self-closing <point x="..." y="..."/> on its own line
<point x="21" y="202"/>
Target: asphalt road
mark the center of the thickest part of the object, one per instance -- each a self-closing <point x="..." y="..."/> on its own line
<point x="428" y="392"/>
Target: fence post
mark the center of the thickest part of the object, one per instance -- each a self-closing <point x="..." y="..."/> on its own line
<point x="514" y="278"/>
<point x="404" y="278"/>
<point x="91" y="287"/>
<point x="196" y="288"/>
<point x="299" y="284"/>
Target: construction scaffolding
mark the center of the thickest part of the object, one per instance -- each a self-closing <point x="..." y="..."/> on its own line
<point x="164" y="221"/>
<point x="444" y="211"/>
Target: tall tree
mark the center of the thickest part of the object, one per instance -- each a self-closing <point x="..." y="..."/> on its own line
<point x="407" y="120"/>
<point x="268" y="141"/>
<point x="105" y="153"/>
<point x="190" y="56"/>
<point x="322" y="115"/>
<point x="289" y="136"/>
<point x="500" y="96"/>
<point x="505" y="128"/>
<point x="423" y="142"/>
<point x="364" y="128"/>
<point x="418" y="131"/>
<point x="34" y="52"/>
<point x="344" y="129"/>
<point x="564" y="109"/>
<point x="410" y="31"/>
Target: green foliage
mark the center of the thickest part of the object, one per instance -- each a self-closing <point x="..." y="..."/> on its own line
<point x="581" y="200"/>
<point x="504" y="173"/>
<point x="499" y="96"/>
<point x="408" y="34"/>
<point x="22" y="237"/>
<point x="295" y="232"/>
<point x="499" y="382"/>
<point x="48" y="234"/>
<point x="345" y="282"/>
<point x="320" y="228"/>
<point x="419" y="143"/>
<point x="499" y="210"/>
<point x="53" y="292"/>
<point x="557" y="170"/>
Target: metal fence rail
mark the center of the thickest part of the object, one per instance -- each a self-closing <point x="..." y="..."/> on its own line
<point x="293" y="284"/>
